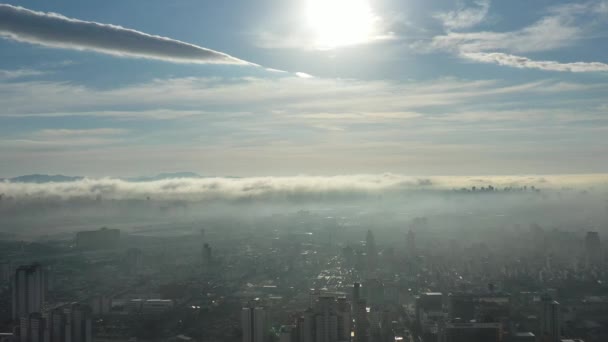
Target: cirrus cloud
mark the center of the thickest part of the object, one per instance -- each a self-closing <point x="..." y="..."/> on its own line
<point x="524" y="62"/>
<point x="57" y="31"/>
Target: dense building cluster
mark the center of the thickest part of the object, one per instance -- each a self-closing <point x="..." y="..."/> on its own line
<point x="307" y="277"/>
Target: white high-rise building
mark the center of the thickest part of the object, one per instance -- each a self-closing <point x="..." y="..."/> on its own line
<point x="253" y="321"/>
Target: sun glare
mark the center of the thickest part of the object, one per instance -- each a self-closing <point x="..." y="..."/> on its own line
<point x="336" y="23"/>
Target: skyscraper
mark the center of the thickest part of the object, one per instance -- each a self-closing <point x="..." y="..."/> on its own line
<point x="371" y="251"/>
<point x="80" y="323"/>
<point x="411" y="243"/>
<point x="593" y="249"/>
<point x="29" y="290"/>
<point x="550" y="329"/>
<point x="253" y="323"/>
<point x="326" y="320"/>
<point x="361" y="323"/>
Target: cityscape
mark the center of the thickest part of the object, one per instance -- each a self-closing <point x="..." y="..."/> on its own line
<point x="476" y="267"/>
<point x="304" y="171"/>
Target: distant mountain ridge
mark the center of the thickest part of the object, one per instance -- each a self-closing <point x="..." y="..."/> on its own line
<point x="38" y="178"/>
<point x="41" y="178"/>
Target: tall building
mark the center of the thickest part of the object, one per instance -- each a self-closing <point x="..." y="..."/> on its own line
<point x="411" y="243"/>
<point x="329" y="320"/>
<point x="133" y="261"/>
<point x="593" y="249"/>
<point x="356" y="297"/>
<point x="80" y="323"/>
<point x="29" y="290"/>
<point x="550" y="324"/>
<point x="371" y="251"/>
<point x="253" y="323"/>
<point x="361" y="322"/>
<point x="36" y="328"/>
<point x="326" y="320"/>
<point x="58" y="325"/>
<point x="207" y="256"/>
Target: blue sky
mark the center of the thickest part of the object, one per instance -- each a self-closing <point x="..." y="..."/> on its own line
<point x="269" y="87"/>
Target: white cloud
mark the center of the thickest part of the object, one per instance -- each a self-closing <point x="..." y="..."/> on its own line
<point x="183" y="97"/>
<point x="527" y="63"/>
<point x="563" y="26"/>
<point x="80" y="132"/>
<point x="6" y="75"/>
<point x="55" y="30"/>
<point x="549" y="33"/>
<point x="465" y="17"/>
<point x="66" y="138"/>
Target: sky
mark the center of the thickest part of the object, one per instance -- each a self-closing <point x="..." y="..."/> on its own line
<point x="303" y="87"/>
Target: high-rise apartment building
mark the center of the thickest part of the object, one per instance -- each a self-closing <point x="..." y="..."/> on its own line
<point x="253" y="323"/>
<point x="29" y="289"/>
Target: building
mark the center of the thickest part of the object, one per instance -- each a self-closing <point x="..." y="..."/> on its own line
<point x="29" y="290"/>
<point x="288" y="333"/>
<point x="523" y="337"/>
<point x="371" y="252"/>
<point x="329" y="320"/>
<point x="411" y="243"/>
<point x="550" y="320"/>
<point x="133" y="261"/>
<point x="156" y="306"/>
<point x="593" y="249"/>
<point x="361" y="322"/>
<point x="5" y="272"/>
<point x="326" y="320"/>
<point x="101" y="305"/>
<point x="97" y="239"/>
<point x="472" y="332"/>
<point x="461" y="306"/>
<point x="207" y="257"/>
<point x="253" y="323"/>
<point x="80" y="323"/>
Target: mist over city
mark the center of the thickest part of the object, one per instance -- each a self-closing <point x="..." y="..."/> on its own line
<point x="303" y="171"/>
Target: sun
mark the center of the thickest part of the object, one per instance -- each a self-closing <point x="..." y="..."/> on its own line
<point x="336" y="23"/>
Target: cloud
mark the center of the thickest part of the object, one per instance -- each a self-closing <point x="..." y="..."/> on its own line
<point x="175" y="98"/>
<point x="80" y="132"/>
<point x="303" y="75"/>
<point x="527" y="63"/>
<point x="6" y="75"/>
<point x="269" y="187"/>
<point x="67" y="138"/>
<point x="562" y="26"/>
<point x="54" y="30"/>
<point x="465" y="17"/>
<point x="549" y="33"/>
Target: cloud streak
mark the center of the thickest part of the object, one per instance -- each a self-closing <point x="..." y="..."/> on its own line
<point x="57" y="31"/>
<point x="527" y="63"/>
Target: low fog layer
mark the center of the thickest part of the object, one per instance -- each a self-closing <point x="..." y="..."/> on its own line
<point x="264" y="187"/>
<point x="382" y="202"/>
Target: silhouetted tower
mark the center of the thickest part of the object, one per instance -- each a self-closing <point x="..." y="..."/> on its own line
<point x="550" y="328"/>
<point x="593" y="249"/>
<point x="372" y="252"/>
<point x="253" y="324"/>
<point x="29" y="290"/>
<point x="411" y="243"/>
